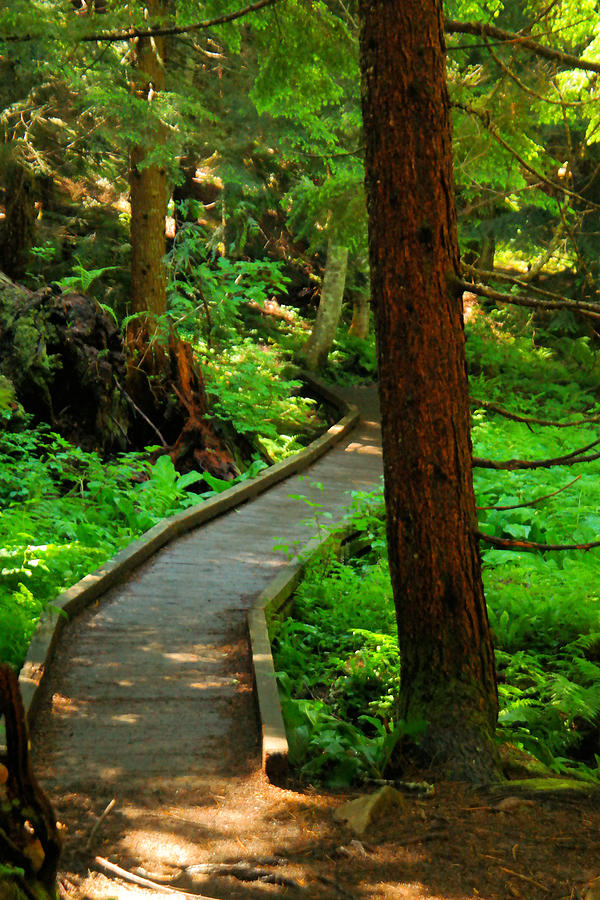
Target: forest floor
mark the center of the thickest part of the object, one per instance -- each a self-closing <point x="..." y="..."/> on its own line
<point x="192" y="793"/>
<point x="459" y="844"/>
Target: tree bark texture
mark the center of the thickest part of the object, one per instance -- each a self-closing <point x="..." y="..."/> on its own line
<point x="319" y="344"/>
<point x="29" y="842"/>
<point x="448" y="675"/>
<point x="18" y="228"/>
<point x="359" y="326"/>
<point x="148" y="186"/>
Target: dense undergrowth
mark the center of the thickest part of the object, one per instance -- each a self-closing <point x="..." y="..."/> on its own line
<point x="337" y="659"/>
<point x="64" y="511"/>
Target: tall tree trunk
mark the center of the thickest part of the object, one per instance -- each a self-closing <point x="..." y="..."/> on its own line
<point x="316" y="350"/>
<point x="148" y="185"/>
<point x="359" y="326"/>
<point x="447" y="658"/>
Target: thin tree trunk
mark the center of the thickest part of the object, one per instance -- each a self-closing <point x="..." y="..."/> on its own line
<point x="359" y="326"/>
<point x="447" y="660"/>
<point x="148" y="185"/>
<point x="316" y="350"/>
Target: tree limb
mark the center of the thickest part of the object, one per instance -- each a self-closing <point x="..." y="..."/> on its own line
<point x="105" y="865"/>
<point x="529" y="420"/>
<point x="486" y="275"/>
<point x="530" y="502"/>
<point x="569" y="459"/>
<point x="482" y="29"/>
<point x="128" y="34"/>
<point x="592" y="310"/>
<point x="513" y="544"/>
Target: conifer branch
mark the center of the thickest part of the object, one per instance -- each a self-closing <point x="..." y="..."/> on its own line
<point x="510" y="465"/>
<point x="514" y="544"/>
<point x="483" y="29"/>
<point x="529" y="420"/>
<point x="484" y="118"/>
<point x="525" y="88"/>
<point x="530" y="502"/>
<point x="584" y="309"/>
<point x="128" y="34"/>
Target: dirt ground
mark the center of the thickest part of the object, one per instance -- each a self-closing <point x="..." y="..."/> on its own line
<point x="452" y="846"/>
<point x="458" y="844"/>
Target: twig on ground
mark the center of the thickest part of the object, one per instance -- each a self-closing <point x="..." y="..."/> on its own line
<point x="526" y="878"/>
<point x="112" y="869"/>
<point x="97" y="825"/>
<point x="531" y="502"/>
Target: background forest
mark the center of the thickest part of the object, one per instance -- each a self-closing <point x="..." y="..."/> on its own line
<point x="201" y="188"/>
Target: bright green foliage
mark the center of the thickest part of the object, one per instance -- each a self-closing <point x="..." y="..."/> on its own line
<point x="64" y="511"/>
<point x="249" y="389"/>
<point x="337" y="658"/>
<point x="207" y="295"/>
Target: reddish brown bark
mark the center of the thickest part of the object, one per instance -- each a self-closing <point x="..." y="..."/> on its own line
<point x="29" y="842"/>
<point x="148" y="185"/>
<point x="166" y="387"/>
<point x="447" y="658"/>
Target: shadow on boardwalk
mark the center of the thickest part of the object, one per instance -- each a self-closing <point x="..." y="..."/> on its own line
<point x="150" y="700"/>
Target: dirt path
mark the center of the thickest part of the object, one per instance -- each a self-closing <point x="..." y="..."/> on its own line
<point x="150" y="702"/>
<point x="150" y="698"/>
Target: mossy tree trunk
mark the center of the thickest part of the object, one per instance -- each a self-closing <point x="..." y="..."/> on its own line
<point x="148" y="183"/>
<point x="448" y="675"/>
<point x="316" y="349"/>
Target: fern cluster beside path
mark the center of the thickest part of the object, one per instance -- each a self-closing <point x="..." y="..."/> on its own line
<point x="149" y="699"/>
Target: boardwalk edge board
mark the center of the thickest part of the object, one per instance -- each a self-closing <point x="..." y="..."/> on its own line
<point x="90" y="588"/>
<point x="274" y="602"/>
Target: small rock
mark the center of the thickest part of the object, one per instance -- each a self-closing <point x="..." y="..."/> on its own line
<point x="354" y="848"/>
<point x="511" y="804"/>
<point x="359" y="814"/>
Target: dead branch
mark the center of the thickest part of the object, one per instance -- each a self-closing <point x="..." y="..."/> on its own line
<point x="514" y="544"/>
<point x="526" y="878"/>
<point x="482" y="29"/>
<point x="142" y="414"/>
<point x="529" y="420"/>
<point x="110" y="868"/>
<point x="97" y="824"/>
<point x="584" y="309"/>
<point x="531" y="502"/>
<point x="485" y="276"/>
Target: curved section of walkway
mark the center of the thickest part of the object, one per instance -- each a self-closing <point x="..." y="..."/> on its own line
<point x="149" y="698"/>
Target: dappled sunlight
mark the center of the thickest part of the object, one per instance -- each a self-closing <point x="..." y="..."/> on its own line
<point x="370" y="449"/>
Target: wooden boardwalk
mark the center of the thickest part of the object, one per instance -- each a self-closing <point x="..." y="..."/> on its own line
<point x="149" y="699"/>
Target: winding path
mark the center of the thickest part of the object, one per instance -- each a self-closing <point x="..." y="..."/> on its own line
<point x="150" y="700"/>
